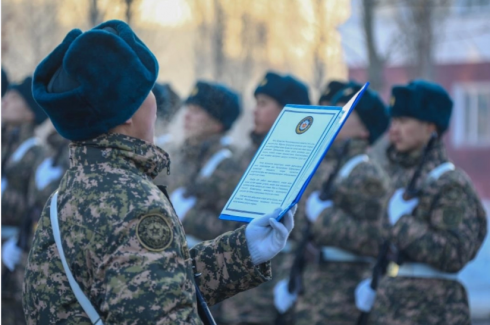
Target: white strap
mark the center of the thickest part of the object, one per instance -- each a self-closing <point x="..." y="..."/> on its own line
<point x="23" y="148"/>
<point x="351" y="164"/>
<point x="82" y="299"/>
<point x="440" y="170"/>
<point x="335" y="254"/>
<point x="421" y="270"/>
<point x="47" y="173"/>
<point x="214" y="161"/>
<point x="226" y="141"/>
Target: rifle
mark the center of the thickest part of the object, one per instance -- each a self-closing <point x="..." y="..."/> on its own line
<point x="295" y="283"/>
<point x="387" y="249"/>
<point x="202" y="308"/>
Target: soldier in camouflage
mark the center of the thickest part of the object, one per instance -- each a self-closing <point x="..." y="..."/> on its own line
<point x="272" y="94"/>
<point x="20" y="116"/>
<point x="122" y="241"/>
<point x="200" y="184"/>
<point x="346" y="218"/>
<point x="436" y="233"/>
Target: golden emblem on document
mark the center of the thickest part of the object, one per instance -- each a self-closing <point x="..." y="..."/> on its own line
<point x="304" y="125"/>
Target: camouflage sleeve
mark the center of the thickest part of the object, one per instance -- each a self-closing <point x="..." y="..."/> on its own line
<point x="226" y="268"/>
<point x="450" y="239"/>
<point x="203" y="223"/>
<point x="354" y="222"/>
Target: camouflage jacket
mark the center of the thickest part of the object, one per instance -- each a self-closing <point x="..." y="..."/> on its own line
<point x="17" y="173"/>
<point x="354" y="222"/>
<point x="205" y="171"/>
<point x="445" y="231"/>
<point x="126" y="247"/>
<point x="449" y="224"/>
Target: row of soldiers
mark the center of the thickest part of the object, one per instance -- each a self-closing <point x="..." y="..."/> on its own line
<point x="354" y="205"/>
<point x="31" y="171"/>
<point x="375" y="200"/>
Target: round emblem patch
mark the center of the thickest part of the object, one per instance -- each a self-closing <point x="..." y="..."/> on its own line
<point x="154" y="232"/>
<point x="304" y="125"/>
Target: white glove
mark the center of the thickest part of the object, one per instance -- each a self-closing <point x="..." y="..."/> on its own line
<point x="365" y="295"/>
<point x="283" y="299"/>
<point x="315" y="206"/>
<point x="182" y="204"/>
<point x="266" y="236"/>
<point x="11" y="254"/>
<point x="397" y="207"/>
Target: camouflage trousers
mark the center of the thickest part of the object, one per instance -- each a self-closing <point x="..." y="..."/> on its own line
<point x="328" y="296"/>
<point x="403" y="301"/>
<point x="256" y="306"/>
<point x="12" y="312"/>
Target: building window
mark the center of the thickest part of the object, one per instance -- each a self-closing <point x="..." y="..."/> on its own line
<point x="472" y="115"/>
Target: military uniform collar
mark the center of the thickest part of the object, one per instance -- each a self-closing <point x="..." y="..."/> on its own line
<point x="56" y="141"/>
<point x="257" y="139"/>
<point x="354" y="147"/>
<point x="197" y="150"/>
<point x="120" y="151"/>
<point x="410" y="159"/>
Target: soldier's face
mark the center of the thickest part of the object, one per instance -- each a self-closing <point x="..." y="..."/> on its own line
<point x="199" y="124"/>
<point x="143" y="121"/>
<point x="409" y="134"/>
<point x="266" y="111"/>
<point x="15" y="109"/>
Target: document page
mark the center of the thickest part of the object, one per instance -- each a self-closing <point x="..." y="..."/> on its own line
<point x="286" y="160"/>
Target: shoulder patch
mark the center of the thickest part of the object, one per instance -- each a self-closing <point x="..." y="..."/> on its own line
<point x="154" y="232"/>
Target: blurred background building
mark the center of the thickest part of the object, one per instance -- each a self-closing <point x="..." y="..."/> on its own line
<point x="386" y="42"/>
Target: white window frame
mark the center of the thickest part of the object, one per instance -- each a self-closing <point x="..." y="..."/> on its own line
<point x="459" y="134"/>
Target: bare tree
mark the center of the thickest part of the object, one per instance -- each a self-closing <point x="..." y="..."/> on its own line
<point x="376" y="61"/>
<point x="417" y="20"/>
<point x="95" y="14"/>
<point x="201" y="43"/>
<point x="319" y="64"/>
<point x="218" y="40"/>
<point x="130" y="10"/>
